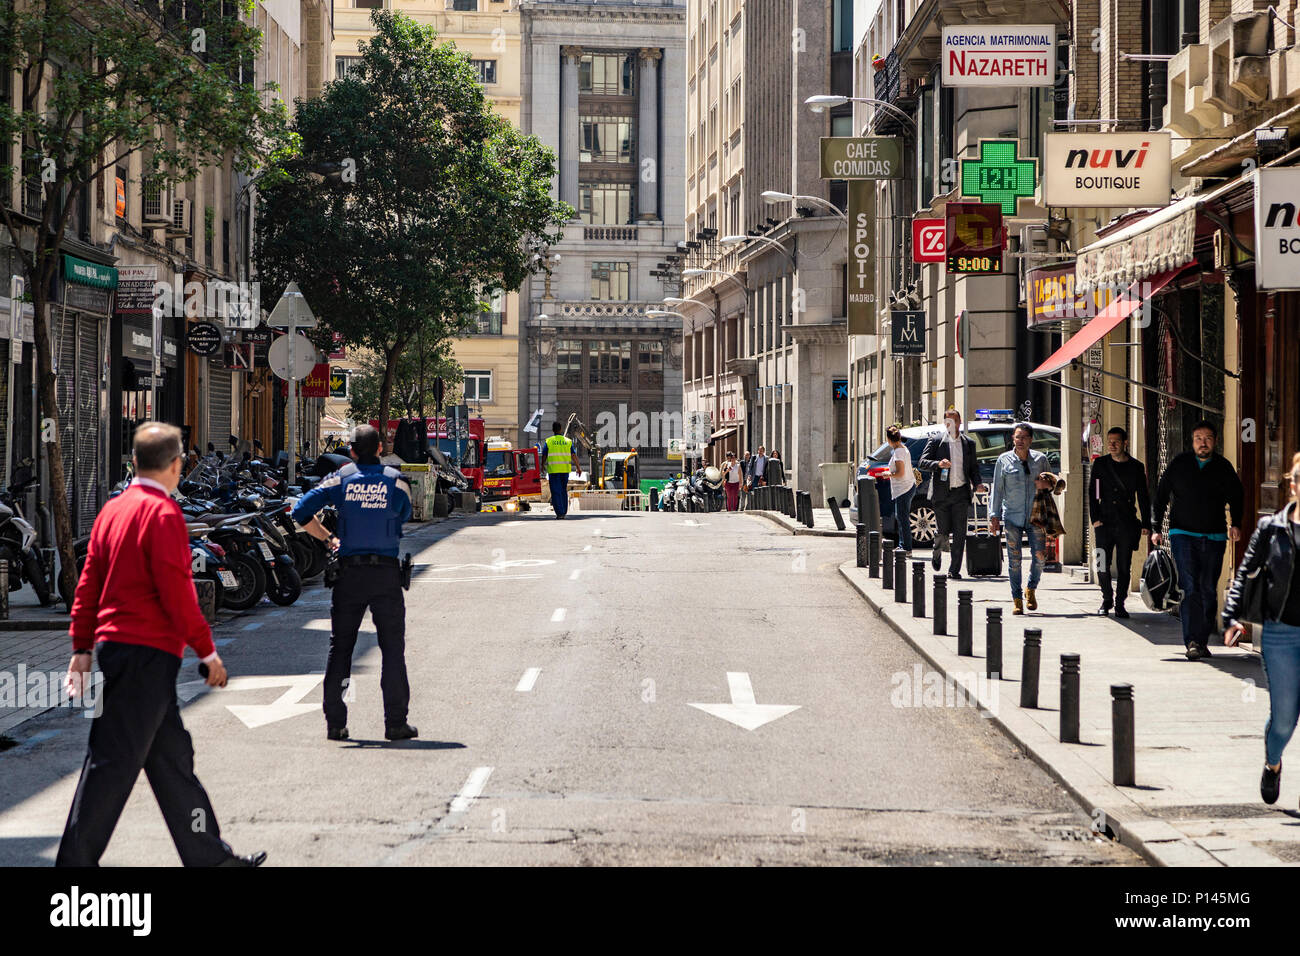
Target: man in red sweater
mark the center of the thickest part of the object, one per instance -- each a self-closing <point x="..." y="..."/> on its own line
<point x="136" y="600"/>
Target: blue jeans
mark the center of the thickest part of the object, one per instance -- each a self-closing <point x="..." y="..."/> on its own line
<point x="903" y="517"/>
<point x="559" y="492"/>
<point x="1280" y="650"/>
<point x="1199" y="561"/>
<point x="1017" y="535"/>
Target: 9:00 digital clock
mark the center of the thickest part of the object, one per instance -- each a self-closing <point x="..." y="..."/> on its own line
<point x="975" y="265"/>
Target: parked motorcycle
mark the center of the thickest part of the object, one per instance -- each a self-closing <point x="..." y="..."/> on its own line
<point x="18" y="539"/>
<point x="712" y="494"/>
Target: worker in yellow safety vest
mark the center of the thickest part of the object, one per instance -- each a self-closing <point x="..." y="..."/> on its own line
<point x="561" y="458"/>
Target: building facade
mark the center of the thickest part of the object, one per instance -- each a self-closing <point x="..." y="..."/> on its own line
<point x="602" y="85"/>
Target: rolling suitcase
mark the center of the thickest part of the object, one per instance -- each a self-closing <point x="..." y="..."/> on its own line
<point x="983" y="552"/>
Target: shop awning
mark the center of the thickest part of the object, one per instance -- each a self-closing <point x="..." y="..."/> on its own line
<point x="722" y="433"/>
<point x="331" y="420"/>
<point x="1124" y="305"/>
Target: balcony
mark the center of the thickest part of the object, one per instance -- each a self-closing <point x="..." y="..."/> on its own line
<point x="609" y="233"/>
<point x="486" y="323"/>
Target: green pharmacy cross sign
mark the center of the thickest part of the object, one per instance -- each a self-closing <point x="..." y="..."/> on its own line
<point x="998" y="176"/>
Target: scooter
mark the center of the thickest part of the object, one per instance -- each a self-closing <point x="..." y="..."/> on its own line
<point x="710" y="486"/>
<point x="18" y="539"/>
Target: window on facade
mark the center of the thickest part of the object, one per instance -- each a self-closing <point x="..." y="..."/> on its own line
<point x="606" y="139"/>
<point x="468" y="6"/>
<point x="611" y="362"/>
<point x="486" y="70"/>
<point x="842" y="125"/>
<point x="650" y="364"/>
<point x="609" y="281"/>
<point x="478" y="386"/>
<point x="368" y="4"/>
<point x="843" y="26"/>
<point x="605" y="203"/>
<point x="344" y="64"/>
<point x="605" y="74"/>
<point x="568" y="362"/>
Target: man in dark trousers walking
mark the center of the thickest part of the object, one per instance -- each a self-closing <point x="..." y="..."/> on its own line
<point x="136" y="602"/>
<point x="1202" y="484"/>
<point x="955" y="477"/>
<point x="1118" y="527"/>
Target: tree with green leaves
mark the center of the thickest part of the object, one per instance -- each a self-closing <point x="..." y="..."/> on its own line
<point x="438" y="200"/>
<point x="409" y="399"/>
<point x="100" y="81"/>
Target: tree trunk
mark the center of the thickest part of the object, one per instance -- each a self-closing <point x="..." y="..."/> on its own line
<point x="49" y="407"/>
<point x="386" y="395"/>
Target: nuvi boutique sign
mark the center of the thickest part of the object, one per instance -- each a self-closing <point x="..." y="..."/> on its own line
<point x="1005" y="55"/>
<point x="1106" y="169"/>
<point x="1277" y="228"/>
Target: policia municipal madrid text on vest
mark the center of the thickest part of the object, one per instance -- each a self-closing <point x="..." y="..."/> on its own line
<point x="373" y="501"/>
<point x="560" y="460"/>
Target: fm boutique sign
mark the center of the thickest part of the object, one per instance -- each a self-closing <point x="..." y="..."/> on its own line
<point x="1007" y="55"/>
<point x="1277" y="228"/>
<point x="1107" y="169"/>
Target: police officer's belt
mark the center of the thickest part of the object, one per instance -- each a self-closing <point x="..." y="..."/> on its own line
<point x="379" y="560"/>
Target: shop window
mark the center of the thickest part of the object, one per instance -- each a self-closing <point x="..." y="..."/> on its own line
<point x="605" y="203"/>
<point x="606" y="139"/>
<point x="568" y="361"/>
<point x="650" y="364"/>
<point x="606" y="74"/>
<point x="478" y="386"/>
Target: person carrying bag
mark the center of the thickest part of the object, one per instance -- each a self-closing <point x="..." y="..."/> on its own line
<point x="1266" y="591"/>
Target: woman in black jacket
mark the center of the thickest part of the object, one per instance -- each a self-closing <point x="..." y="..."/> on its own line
<point x="1272" y="559"/>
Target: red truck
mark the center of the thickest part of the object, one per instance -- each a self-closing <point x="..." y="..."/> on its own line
<point x="510" y="472"/>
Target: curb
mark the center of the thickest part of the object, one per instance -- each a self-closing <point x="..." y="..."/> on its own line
<point x="788" y="524"/>
<point x="1154" y="839"/>
<point x="55" y="624"/>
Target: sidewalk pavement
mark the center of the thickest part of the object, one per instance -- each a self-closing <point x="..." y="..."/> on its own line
<point x="1199" y="726"/>
<point x="823" y="522"/>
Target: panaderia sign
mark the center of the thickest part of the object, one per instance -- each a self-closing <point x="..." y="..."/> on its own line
<point x="1107" y="169"/>
<point x="1006" y="55"/>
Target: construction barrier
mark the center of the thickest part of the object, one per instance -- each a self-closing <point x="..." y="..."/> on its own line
<point x="605" y="500"/>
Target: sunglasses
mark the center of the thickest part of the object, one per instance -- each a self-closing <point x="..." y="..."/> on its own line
<point x="1025" y="462"/>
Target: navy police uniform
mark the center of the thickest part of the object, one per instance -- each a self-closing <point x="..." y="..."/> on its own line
<point x="372" y="501"/>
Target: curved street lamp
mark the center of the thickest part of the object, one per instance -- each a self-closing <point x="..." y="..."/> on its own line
<point x="699" y="273"/>
<point x="673" y="300"/>
<point x="773" y="196"/>
<point x="824" y="102"/>
<point x="731" y="239"/>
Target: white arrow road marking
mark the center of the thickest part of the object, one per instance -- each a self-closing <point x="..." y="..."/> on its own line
<point x="558" y="616"/>
<point x="259" y="715"/>
<point x="470" y="792"/>
<point x="743" y="711"/>
<point x="574" y="575"/>
<point x="529" y="679"/>
<point x="691" y="523"/>
<point x="491" y="577"/>
<point x="498" y="566"/>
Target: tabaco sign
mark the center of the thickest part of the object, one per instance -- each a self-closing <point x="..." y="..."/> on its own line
<point x="1051" y="296"/>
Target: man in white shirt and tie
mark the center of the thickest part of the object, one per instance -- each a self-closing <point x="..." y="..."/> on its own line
<point x="956" y="478"/>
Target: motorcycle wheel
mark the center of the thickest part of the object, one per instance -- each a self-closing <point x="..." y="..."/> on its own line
<point x="317" y="565"/>
<point x="286" y="589"/>
<point x="298" y="550"/>
<point x="35" y="574"/>
<point x="250" y="583"/>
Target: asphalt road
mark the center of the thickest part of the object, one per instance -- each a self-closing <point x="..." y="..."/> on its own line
<point x="554" y="666"/>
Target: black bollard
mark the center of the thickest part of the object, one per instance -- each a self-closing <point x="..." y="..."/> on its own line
<point x="1121" y="735"/>
<point x="4" y="589"/>
<point x="918" y="589"/>
<point x="835" y="513"/>
<point x="1029" y="667"/>
<point x="654" y="499"/>
<point x="808" y="508"/>
<point x="965" y="625"/>
<point x="941" y="604"/>
<point x="790" y="509"/>
<point x="873" y="553"/>
<point x="900" y="575"/>
<point x="1069" y="698"/>
<point x="861" y="542"/>
<point x="993" y="643"/>
<point x="887" y="566"/>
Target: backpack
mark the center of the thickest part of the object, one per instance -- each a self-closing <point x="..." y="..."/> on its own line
<point x="1159" y="585"/>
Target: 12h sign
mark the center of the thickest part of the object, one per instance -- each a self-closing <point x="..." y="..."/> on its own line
<point x="928" y="243"/>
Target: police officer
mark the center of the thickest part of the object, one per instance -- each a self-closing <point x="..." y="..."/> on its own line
<point x="372" y="502"/>
<point x="560" y="459"/>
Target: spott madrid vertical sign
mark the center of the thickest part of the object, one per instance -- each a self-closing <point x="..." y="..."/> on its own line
<point x="1004" y="55"/>
<point x="862" y="257"/>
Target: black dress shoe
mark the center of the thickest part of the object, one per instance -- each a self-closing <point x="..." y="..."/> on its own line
<point x="1270" y="784"/>
<point x="936" y="557"/>
<point x="337" y="733"/>
<point x="954" y="575"/>
<point x="1104" y="609"/>
<point x="1120" y="611"/>
<point x="253" y="859"/>
<point x="1194" y="651"/>
<point x="401" y="732"/>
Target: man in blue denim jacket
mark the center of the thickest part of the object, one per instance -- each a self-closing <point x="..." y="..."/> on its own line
<point x="1011" y="503"/>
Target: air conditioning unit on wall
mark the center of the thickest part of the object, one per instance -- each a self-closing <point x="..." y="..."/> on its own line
<point x="159" y="200"/>
<point x="181" y="223"/>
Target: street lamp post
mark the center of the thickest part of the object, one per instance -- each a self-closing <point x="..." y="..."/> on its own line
<point x="773" y="196"/>
<point x="824" y="102"/>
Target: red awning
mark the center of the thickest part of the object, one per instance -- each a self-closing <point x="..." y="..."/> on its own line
<point x="1120" y="308"/>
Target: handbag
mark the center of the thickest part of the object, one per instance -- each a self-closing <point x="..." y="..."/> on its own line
<point x="1252" y="606"/>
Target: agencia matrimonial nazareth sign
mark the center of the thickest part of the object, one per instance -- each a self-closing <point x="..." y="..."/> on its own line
<point x="1006" y="55"/>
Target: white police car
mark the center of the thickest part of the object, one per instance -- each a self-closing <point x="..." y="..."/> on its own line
<point x="992" y="437"/>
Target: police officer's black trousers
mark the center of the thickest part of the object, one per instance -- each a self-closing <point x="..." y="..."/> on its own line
<point x="380" y="589"/>
<point x="139" y="727"/>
